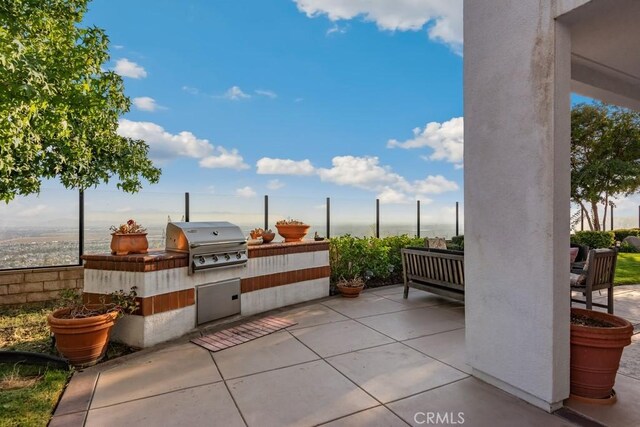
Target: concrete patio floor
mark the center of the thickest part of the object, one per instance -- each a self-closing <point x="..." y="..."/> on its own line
<point x="377" y="360"/>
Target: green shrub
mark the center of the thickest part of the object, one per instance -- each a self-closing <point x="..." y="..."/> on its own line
<point x="625" y="232"/>
<point x="628" y="248"/>
<point x="457" y="243"/>
<point x="594" y="239"/>
<point x="371" y="258"/>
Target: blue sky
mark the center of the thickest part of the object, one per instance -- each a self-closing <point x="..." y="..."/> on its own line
<point x="311" y="91"/>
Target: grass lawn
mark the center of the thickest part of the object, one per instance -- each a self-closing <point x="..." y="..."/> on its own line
<point x="28" y="394"/>
<point x="628" y="269"/>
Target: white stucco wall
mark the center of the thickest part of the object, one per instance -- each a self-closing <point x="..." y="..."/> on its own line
<point x="517" y="141"/>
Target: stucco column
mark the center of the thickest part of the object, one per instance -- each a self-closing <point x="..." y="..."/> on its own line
<point x="517" y="185"/>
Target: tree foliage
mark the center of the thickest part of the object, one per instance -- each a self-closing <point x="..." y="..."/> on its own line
<point x="605" y="157"/>
<point x="59" y="107"/>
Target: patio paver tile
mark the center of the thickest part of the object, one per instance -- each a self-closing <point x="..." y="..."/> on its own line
<point x="418" y="299"/>
<point x="336" y="338"/>
<point x="365" y="305"/>
<point x="374" y="417"/>
<point x="312" y="315"/>
<point x="174" y="368"/>
<point x="77" y="395"/>
<point x="302" y="395"/>
<point x="415" y="323"/>
<point x="68" y="420"/>
<point x="478" y="403"/>
<point x="625" y="412"/>
<point x="270" y="352"/>
<point x="394" y="371"/>
<point x="630" y="362"/>
<point x="205" y="405"/>
<point x="447" y="347"/>
<point x="386" y="290"/>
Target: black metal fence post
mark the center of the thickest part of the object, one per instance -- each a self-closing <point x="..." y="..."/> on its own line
<point x="457" y="220"/>
<point x="266" y="212"/>
<point x="378" y="218"/>
<point x="418" y="217"/>
<point x="186" y="207"/>
<point x="80" y="226"/>
<point x="611" y="217"/>
<point x="328" y="217"/>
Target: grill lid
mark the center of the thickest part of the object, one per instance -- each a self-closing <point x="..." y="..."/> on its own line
<point x="190" y="236"/>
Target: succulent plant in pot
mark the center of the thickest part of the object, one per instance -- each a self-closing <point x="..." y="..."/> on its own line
<point x="350" y="288"/>
<point x="82" y="331"/>
<point x="129" y="238"/>
<point x="292" y="230"/>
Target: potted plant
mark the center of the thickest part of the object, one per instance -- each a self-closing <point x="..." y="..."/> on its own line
<point x="597" y="341"/>
<point x="292" y="230"/>
<point x="267" y="236"/>
<point x="82" y="331"/>
<point x="129" y="238"/>
<point x="350" y="288"/>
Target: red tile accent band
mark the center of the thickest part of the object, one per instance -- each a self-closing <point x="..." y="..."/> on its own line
<point x="153" y="261"/>
<point x="279" y="279"/>
<point x="274" y="249"/>
<point x="154" y="304"/>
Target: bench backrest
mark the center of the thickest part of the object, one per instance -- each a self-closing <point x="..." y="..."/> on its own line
<point x="445" y="268"/>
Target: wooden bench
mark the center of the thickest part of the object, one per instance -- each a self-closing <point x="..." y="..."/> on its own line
<point x="434" y="270"/>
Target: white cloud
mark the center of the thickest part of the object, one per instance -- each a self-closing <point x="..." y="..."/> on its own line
<point x="224" y="159"/>
<point x="191" y="90"/>
<point x="367" y="173"/>
<point x="145" y="103"/>
<point x="275" y="184"/>
<point x="336" y="29"/>
<point x="442" y="18"/>
<point x="127" y="68"/>
<point x="234" y="93"/>
<point x="268" y="93"/>
<point x="445" y="139"/>
<point x="164" y="145"/>
<point x="118" y="46"/>
<point x="361" y="172"/>
<point x="390" y="195"/>
<point x="33" y="212"/>
<point x="434" y="185"/>
<point x="269" y="166"/>
<point x="245" y="192"/>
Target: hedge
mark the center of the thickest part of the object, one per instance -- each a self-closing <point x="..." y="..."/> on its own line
<point x="625" y="232"/>
<point x="594" y="239"/>
<point x="371" y="258"/>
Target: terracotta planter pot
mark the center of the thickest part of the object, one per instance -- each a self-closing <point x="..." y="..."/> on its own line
<point x="82" y="341"/>
<point x="596" y="353"/>
<point x="125" y="244"/>
<point x="268" y="237"/>
<point x="350" y="291"/>
<point x="293" y="232"/>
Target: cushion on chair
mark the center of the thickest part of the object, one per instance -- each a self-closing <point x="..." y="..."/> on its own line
<point x="577" y="280"/>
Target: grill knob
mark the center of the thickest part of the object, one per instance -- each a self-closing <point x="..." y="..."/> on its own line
<point x="201" y="260"/>
<point x="215" y="258"/>
<point x="238" y="255"/>
<point x="227" y="257"/>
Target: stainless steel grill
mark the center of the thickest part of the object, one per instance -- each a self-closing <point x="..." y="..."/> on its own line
<point x="209" y="244"/>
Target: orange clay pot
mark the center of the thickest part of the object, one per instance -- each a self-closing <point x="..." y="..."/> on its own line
<point x="293" y="232"/>
<point x="125" y="244"/>
<point x="82" y="341"/>
<point x="350" y="291"/>
<point x="596" y="353"/>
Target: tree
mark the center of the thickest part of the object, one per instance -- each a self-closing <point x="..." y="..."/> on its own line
<point x="605" y="157"/>
<point x="59" y="107"/>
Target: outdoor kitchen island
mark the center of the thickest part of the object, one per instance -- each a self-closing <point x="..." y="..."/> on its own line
<point x="174" y="300"/>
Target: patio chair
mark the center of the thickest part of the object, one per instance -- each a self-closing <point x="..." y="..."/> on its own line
<point x="598" y="273"/>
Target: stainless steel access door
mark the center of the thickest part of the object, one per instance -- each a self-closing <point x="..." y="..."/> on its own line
<point x="217" y="300"/>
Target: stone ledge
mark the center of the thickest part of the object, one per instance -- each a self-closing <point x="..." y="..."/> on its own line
<point x="154" y="260"/>
<point x="275" y="249"/>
